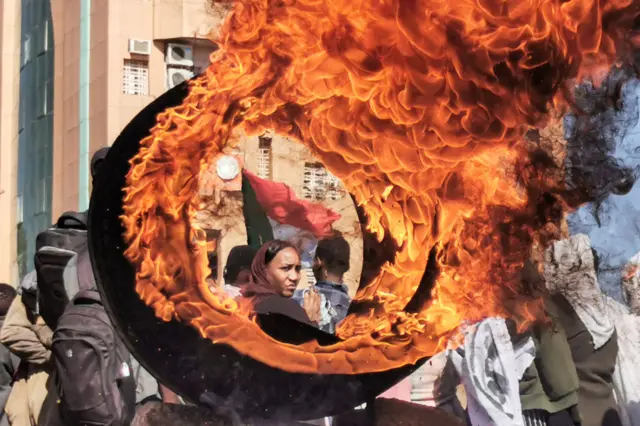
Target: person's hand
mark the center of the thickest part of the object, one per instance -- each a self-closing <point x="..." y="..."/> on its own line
<point x="311" y="305"/>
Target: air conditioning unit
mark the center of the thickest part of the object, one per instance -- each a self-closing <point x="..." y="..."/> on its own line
<point x="140" y="47"/>
<point x="179" y="54"/>
<point x="176" y="76"/>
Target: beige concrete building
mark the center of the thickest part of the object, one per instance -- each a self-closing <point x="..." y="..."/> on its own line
<point x="9" y="88"/>
<point x="136" y="50"/>
<point x="73" y="73"/>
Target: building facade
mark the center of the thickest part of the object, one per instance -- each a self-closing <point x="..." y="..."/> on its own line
<point x="9" y="100"/>
<point x="35" y="128"/>
<point x="115" y="57"/>
<point x="73" y="74"/>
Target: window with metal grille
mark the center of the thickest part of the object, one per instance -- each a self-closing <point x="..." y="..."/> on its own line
<point x="264" y="157"/>
<point x="319" y="184"/>
<point x="335" y="190"/>
<point x="135" y="78"/>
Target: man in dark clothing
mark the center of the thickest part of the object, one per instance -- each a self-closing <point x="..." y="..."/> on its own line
<point x="147" y="387"/>
<point x="595" y="369"/>
<point x="238" y="267"/>
<point x="549" y="387"/>
<point x="331" y="262"/>
<point x="9" y="362"/>
<point x="237" y="270"/>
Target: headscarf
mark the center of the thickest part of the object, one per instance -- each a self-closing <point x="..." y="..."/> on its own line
<point x="265" y="298"/>
<point x="259" y="286"/>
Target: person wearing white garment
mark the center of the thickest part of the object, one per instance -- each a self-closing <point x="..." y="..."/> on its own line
<point x="626" y="377"/>
<point x="570" y="275"/>
<point x="491" y="366"/>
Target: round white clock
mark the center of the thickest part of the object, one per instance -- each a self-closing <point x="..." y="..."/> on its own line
<point x="227" y="168"/>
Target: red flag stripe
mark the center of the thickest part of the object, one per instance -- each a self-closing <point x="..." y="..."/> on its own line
<point x="280" y="203"/>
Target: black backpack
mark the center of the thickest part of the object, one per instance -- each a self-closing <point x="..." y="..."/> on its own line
<point x="93" y="371"/>
<point x="56" y="263"/>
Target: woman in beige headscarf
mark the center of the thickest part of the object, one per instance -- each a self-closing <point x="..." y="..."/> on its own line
<point x="275" y="274"/>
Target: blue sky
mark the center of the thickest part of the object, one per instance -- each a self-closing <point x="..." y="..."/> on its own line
<point x="618" y="237"/>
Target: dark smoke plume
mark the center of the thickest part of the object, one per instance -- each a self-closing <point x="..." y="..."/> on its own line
<point x="601" y="166"/>
<point x="600" y="120"/>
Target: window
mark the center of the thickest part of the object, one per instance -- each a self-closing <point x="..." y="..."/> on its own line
<point x="264" y="157"/>
<point x="26" y="50"/>
<point x="135" y="78"/>
<point x="334" y="188"/>
<point x="45" y="36"/>
<point x="20" y="208"/>
<point x="319" y="184"/>
<point x="313" y="185"/>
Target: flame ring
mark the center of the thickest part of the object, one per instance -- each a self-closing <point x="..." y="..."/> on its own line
<point x="174" y="352"/>
<point x="171" y="294"/>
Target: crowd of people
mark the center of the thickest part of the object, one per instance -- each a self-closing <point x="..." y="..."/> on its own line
<point x="577" y="368"/>
<point x="44" y="334"/>
<point x="270" y="277"/>
<point x="30" y="387"/>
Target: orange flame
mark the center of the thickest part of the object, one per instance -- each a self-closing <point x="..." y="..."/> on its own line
<point x="420" y="107"/>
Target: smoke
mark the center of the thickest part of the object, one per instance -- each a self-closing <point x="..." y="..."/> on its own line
<point x="602" y="166"/>
<point x="595" y="130"/>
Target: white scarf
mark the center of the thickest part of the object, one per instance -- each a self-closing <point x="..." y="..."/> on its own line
<point x="491" y="367"/>
<point x="626" y="377"/>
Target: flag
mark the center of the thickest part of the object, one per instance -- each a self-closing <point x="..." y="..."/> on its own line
<point x="273" y="211"/>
